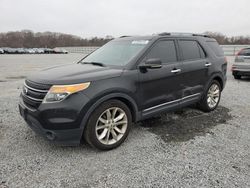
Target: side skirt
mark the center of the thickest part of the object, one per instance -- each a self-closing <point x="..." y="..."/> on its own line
<point x="170" y="106"/>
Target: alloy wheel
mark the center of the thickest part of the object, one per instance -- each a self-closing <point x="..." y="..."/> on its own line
<point x="111" y="125"/>
<point x="213" y="95"/>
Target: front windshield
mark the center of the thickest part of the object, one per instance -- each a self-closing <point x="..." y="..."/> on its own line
<point x="116" y="52"/>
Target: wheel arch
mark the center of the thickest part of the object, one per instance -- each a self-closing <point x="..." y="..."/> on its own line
<point x="130" y="105"/>
<point x="218" y="77"/>
<point x="123" y="97"/>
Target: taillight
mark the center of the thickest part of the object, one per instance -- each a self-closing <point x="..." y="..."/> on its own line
<point x="232" y="68"/>
<point x="238" y="53"/>
<point x="225" y="60"/>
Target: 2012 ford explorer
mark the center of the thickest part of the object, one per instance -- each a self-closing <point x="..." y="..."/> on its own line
<point x="127" y="80"/>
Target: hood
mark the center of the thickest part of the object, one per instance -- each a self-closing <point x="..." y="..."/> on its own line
<point x="74" y="73"/>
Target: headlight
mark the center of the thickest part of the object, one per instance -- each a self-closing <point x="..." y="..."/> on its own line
<point x="59" y="92"/>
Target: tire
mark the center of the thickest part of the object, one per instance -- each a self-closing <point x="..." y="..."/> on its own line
<point x="237" y="77"/>
<point x="103" y="130"/>
<point x="208" y="104"/>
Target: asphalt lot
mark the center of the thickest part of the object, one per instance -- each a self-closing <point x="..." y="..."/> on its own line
<point x="187" y="148"/>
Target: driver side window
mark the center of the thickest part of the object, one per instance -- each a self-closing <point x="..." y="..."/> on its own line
<point x="165" y="51"/>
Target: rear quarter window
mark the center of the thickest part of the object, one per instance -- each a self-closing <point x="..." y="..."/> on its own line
<point x="215" y="47"/>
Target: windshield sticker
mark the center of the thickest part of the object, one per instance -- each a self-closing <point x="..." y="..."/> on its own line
<point x="140" y="42"/>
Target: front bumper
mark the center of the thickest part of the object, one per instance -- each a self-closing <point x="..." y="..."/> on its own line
<point x="241" y="72"/>
<point x="60" y="123"/>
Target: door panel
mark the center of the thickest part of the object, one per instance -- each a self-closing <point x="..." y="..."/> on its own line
<point x="160" y="89"/>
<point x="195" y="75"/>
<point x="195" y="68"/>
<point x="158" y="86"/>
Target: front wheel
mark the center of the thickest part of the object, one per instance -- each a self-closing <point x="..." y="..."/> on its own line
<point x="211" y="98"/>
<point x="108" y="125"/>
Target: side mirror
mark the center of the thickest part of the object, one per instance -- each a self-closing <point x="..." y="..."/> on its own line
<point x="151" y="64"/>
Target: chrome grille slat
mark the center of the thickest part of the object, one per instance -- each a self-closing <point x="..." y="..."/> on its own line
<point x="39" y="100"/>
<point x="37" y="85"/>
<point x="33" y="89"/>
<point x="34" y="93"/>
<point x="30" y="103"/>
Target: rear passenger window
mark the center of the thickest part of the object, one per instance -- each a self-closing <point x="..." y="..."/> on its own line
<point x="165" y="51"/>
<point x="191" y="50"/>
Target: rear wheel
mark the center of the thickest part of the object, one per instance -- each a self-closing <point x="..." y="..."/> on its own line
<point x="211" y="98"/>
<point x="237" y="77"/>
<point x="108" y="125"/>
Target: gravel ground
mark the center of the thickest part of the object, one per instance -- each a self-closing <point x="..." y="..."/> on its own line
<point x="187" y="148"/>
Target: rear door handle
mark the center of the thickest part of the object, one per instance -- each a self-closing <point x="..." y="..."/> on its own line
<point x="208" y="64"/>
<point x="176" y="70"/>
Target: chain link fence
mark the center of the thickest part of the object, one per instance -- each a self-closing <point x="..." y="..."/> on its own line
<point x="229" y="50"/>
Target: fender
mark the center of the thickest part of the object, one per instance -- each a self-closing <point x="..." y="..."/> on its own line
<point x="105" y="98"/>
<point x="212" y="77"/>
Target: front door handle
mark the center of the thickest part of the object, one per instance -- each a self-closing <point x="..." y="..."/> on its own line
<point x="176" y="70"/>
<point x="208" y="64"/>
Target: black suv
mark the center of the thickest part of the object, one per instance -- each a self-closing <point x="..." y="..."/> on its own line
<point x="127" y="80"/>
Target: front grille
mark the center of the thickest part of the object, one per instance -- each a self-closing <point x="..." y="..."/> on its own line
<point x="33" y="93"/>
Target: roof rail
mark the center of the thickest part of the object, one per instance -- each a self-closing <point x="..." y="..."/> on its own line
<point x="164" y="33"/>
<point x="124" y="36"/>
<point x="182" y="34"/>
<point x="201" y="35"/>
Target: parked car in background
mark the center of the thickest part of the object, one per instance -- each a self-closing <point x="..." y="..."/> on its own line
<point x="57" y="50"/>
<point x="40" y="50"/>
<point x="9" y="50"/>
<point x="64" y="51"/>
<point x="20" y="50"/>
<point x="60" y="51"/>
<point x="48" y="51"/>
<point x="31" y="51"/>
<point x="241" y="66"/>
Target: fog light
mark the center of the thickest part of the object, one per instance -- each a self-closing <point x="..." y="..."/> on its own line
<point x="50" y="135"/>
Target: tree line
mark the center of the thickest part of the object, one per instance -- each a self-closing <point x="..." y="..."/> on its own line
<point x="223" y="39"/>
<point x="30" y="39"/>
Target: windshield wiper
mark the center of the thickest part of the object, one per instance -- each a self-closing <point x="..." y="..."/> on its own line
<point x="94" y="63"/>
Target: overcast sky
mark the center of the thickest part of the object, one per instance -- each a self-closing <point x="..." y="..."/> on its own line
<point x="87" y="18"/>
